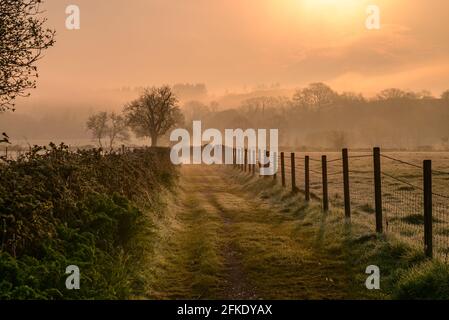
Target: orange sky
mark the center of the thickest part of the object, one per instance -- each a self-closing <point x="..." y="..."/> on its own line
<point x="229" y="44"/>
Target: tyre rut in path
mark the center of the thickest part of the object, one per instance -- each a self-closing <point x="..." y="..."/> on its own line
<point x="210" y="191"/>
<point x="231" y="245"/>
<point x="236" y="285"/>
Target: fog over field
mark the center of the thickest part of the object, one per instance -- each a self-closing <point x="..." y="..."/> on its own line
<point x="230" y="45"/>
<point x="242" y="64"/>
<point x="313" y="117"/>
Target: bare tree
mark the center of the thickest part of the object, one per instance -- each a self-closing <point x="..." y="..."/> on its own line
<point x="117" y="130"/>
<point x="391" y="93"/>
<point x="98" y="124"/>
<point x="154" y="113"/>
<point x="263" y="110"/>
<point x="315" y="96"/>
<point x="351" y="98"/>
<point x="23" y="38"/>
<point x="112" y="126"/>
<point x="397" y="94"/>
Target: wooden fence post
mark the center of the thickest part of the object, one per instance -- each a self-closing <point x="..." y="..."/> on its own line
<point x="236" y="157"/>
<point x="275" y="164"/>
<point x="325" y="189"/>
<point x="283" y="169"/>
<point x="223" y="154"/>
<point x="427" y="177"/>
<point x="239" y="159"/>
<point x="378" y="189"/>
<point x="307" y="178"/>
<point x="347" y="194"/>
<point x="293" y="173"/>
<point x="6" y="153"/>
<point x="246" y="159"/>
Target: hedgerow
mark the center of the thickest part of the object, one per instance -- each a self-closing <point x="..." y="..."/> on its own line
<point x="85" y="208"/>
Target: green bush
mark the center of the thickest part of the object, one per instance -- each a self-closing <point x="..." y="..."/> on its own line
<point x="59" y="208"/>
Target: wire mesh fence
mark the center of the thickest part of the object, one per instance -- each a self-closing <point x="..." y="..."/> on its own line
<point x="335" y="182"/>
<point x="395" y="204"/>
<point x="402" y="199"/>
<point x="441" y="226"/>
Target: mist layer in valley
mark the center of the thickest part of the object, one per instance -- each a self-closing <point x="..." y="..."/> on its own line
<point x="314" y="117"/>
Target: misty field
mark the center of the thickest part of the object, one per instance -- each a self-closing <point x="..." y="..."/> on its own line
<point x="402" y="194"/>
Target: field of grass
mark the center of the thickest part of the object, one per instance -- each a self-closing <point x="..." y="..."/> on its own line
<point x="229" y="235"/>
<point x="402" y="193"/>
<point x="405" y="271"/>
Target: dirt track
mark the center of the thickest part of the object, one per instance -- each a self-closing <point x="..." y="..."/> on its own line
<point x="226" y="243"/>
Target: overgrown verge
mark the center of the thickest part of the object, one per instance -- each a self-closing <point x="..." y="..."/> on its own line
<point x="405" y="273"/>
<point x="61" y="208"/>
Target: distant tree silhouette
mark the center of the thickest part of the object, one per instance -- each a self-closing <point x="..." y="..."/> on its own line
<point x="391" y="93"/>
<point x="398" y="94"/>
<point x="395" y="94"/>
<point x="315" y="96"/>
<point x="445" y="95"/>
<point x="263" y="110"/>
<point x="111" y="125"/>
<point x="350" y="99"/>
<point x="23" y="39"/>
<point x="258" y="105"/>
<point x="118" y="129"/>
<point x="424" y="94"/>
<point x="98" y="125"/>
<point x="195" y="110"/>
<point x="154" y="113"/>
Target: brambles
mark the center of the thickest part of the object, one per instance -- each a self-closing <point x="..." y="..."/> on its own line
<point x="59" y="208"/>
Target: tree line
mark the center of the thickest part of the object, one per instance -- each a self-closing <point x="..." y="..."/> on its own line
<point x="316" y="116"/>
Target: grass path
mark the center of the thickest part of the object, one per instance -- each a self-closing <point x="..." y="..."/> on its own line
<point x="221" y="242"/>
